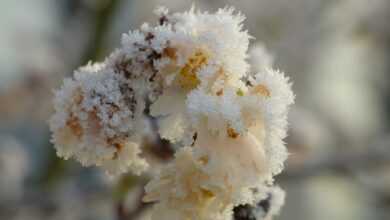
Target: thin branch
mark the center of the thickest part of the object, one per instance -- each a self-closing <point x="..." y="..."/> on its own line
<point x="103" y="20"/>
<point x="340" y="162"/>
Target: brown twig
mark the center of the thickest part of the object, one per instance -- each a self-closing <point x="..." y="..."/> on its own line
<point x="340" y="162"/>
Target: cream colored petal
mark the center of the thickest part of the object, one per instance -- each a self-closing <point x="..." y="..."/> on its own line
<point x="240" y="158"/>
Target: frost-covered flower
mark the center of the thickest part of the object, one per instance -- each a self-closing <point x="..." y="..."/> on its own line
<point x="97" y="120"/>
<point x="207" y="180"/>
<point x="191" y="73"/>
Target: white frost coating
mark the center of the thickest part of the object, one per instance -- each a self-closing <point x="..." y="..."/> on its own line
<point x="274" y="110"/>
<point x="275" y="199"/>
<point x="191" y="72"/>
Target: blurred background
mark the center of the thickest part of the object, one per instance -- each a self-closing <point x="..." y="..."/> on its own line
<point x="337" y="53"/>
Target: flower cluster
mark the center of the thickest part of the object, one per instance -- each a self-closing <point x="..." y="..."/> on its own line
<point x="191" y="73"/>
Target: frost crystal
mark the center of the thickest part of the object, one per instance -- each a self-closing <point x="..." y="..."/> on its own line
<point x="191" y="71"/>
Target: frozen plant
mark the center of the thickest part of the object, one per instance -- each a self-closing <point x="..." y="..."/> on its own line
<point x="191" y="73"/>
